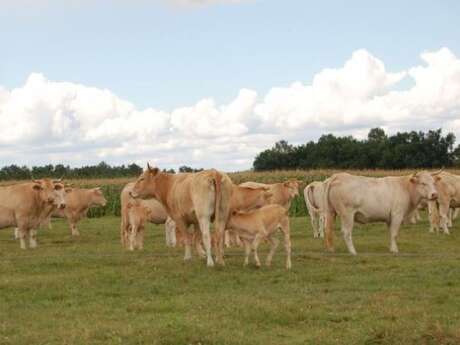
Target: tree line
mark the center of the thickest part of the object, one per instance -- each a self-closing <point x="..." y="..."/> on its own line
<point x="403" y="150"/>
<point x="101" y="170"/>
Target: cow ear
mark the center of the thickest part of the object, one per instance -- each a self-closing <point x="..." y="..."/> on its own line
<point x="437" y="178"/>
<point x="154" y="171"/>
<point x="413" y="179"/>
<point x="68" y="190"/>
<point x="37" y="187"/>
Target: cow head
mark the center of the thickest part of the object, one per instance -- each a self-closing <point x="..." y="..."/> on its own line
<point x="97" y="197"/>
<point x="425" y="184"/>
<point x="146" y="185"/>
<point x="51" y="191"/>
<point x="292" y="187"/>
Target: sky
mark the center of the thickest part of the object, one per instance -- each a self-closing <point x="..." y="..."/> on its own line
<point x="210" y="83"/>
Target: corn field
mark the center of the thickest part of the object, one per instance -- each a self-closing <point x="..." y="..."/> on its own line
<point x="112" y="187"/>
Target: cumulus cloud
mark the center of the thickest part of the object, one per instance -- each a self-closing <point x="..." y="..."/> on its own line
<point x="47" y="121"/>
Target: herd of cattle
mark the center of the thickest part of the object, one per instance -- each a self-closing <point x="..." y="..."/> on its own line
<point x="243" y="215"/>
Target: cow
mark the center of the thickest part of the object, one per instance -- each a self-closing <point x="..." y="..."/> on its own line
<point x="448" y="187"/>
<point x="242" y="199"/>
<point x="26" y="205"/>
<point x="314" y="200"/>
<point x="369" y="199"/>
<point x="137" y="214"/>
<point x="78" y="202"/>
<point x="191" y="199"/>
<point x="157" y="215"/>
<point x="282" y="193"/>
<point x="259" y="224"/>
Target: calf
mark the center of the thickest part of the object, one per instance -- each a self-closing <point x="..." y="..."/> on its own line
<point x="137" y="214"/>
<point x="257" y="225"/>
<point x="157" y="215"/>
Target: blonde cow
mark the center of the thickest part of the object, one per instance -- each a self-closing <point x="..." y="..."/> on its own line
<point x="314" y="200"/>
<point x="262" y="224"/>
<point x="448" y="187"/>
<point x="368" y="199"/>
<point x="282" y="193"/>
<point x="191" y="199"/>
<point x="26" y="205"/>
<point x="134" y="217"/>
<point x="78" y="202"/>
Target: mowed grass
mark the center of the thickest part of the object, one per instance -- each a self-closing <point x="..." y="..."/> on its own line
<point x="89" y="291"/>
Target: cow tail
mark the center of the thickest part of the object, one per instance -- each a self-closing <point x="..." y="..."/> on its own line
<point x="330" y="217"/>
<point x="218" y="217"/>
<point x="308" y="200"/>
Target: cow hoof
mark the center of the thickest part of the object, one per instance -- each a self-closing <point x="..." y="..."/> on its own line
<point x="210" y="264"/>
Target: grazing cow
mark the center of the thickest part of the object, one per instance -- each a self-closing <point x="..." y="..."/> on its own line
<point x="259" y="224"/>
<point x="368" y="199"/>
<point x="78" y="202"/>
<point x="246" y="199"/>
<point x="314" y="200"/>
<point x="282" y="193"/>
<point x="26" y="205"/>
<point x="448" y="187"/>
<point x="191" y="199"/>
<point x="138" y="214"/>
<point x="156" y="215"/>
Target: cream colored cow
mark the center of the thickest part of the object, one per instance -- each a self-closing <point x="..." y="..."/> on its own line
<point x="368" y="199"/>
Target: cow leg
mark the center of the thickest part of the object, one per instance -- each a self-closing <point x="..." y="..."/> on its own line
<point x="227" y="239"/>
<point x="321" y="222"/>
<point x="274" y="242"/>
<point x="198" y="241"/>
<point x="132" y="237"/>
<point x="16" y="234"/>
<point x="23" y="233"/>
<point x="204" y="228"/>
<point x="287" y="241"/>
<point x="449" y="218"/>
<point x="181" y="227"/>
<point x="140" y="238"/>
<point x="255" y="244"/>
<point x="170" y="231"/>
<point x="433" y="215"/>
<point x="444" y="215"/>
<point x="247" y="251"/>
<point x="314" y="223"/>
<point x="394" y="226"/>
<point x="33" y="238"/>
<point x="73" y="228"/>
<point x="347" y="220"/>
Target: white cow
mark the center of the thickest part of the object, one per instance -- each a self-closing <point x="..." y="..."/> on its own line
<point x="369" y="199"/>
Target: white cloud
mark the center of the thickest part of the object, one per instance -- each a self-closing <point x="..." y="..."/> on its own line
<point x="46" y="121"/>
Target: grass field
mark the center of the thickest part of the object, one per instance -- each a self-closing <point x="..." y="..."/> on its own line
<point x="89" y="291"/>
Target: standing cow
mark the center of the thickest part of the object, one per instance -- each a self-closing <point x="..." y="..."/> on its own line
<point x="26" y="205"/>
<point x="157" y="215"/>
<point x="448" y="187"/>
<point x="368" y="199"/>
<point x="78" y="202"/>
<point x="314" y="200"/>
<point x="282" y="193"/>
<point x="191" y="199"/>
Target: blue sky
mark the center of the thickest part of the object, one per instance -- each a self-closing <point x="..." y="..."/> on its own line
<point x="166" y="56"/>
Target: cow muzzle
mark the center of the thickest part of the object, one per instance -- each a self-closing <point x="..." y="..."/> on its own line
<point x="133" y="195"/>
<point x="434" y="196"/>
<point x="61" y="206"/>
